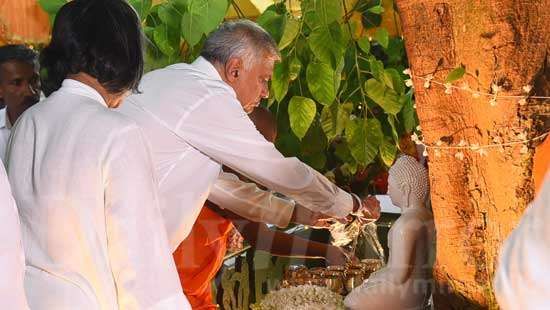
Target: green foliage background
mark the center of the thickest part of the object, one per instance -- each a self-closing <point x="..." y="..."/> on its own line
<point x="340" y="100"/>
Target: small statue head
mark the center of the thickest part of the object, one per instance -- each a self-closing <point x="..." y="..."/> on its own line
<point x="408" y="182"/>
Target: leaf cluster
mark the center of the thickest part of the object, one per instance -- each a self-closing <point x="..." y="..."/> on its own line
<point x="340" y="98"/>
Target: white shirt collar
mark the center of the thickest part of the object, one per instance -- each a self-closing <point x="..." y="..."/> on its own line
<point x="79" y="88"/>
<point x="4" y="120"/>
<point x="206" y="67"/>
<point x="201" y="65"/>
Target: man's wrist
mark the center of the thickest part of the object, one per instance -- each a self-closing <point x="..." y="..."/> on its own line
<point x="356" y="203"/>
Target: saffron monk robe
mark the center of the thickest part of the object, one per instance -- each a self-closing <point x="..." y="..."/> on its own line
<point x="200" y="256"/>
<point x="541" y="164"/>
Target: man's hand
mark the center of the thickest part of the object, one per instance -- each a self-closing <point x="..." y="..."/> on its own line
<point x="310" y="218"/>
<point x="369" y="209"/>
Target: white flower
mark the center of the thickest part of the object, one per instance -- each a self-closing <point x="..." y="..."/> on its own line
<point x="522" y="101"/>
<point x="524" y="149"/>
<point x="414" y="106"/>
<point x="303" y="297"/>
<point x="409" y="83"/>
<point x="462" y="143"/>
<point x="439" y="143"/>
<point x="407" y="71"/>
<point x="527" y="88"/>
<point x="428" y="79"/>
<point x="448" y="88"/>
<point x="522" y="136"/>
<point x="418" y="128"/>
<point x="495" y="88"/>
<point x="482" y="152"/>
<point x="415" y="138"/>
<point x="459" y="155"/>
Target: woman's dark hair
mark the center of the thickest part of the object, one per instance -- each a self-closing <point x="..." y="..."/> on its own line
<point x="99" y="37"/>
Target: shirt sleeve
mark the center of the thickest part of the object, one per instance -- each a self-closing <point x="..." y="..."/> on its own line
<point x="250" y="202"/>
<point x="521" y="279"/>
<point x="139" y="255"/>
<point x="220" y="128"/>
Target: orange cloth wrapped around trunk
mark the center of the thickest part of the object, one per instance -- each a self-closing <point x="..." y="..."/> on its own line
<point x="199" y="257"/>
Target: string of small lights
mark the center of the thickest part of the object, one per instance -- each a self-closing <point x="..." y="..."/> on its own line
<point x="481" y="150"/>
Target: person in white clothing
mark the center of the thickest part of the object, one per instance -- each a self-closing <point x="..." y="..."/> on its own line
<point x="12" y="260"/>
<point x="19" y="87"/>
<point x="521" y="279"/>
<point x="195" y="119"/>
<point x="82" y="174"/>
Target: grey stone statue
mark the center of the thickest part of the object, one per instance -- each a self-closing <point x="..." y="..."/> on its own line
<point x="404" y="283"/>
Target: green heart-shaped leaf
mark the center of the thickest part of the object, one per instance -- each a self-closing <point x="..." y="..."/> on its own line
<point x="301" y="112"/>
<point x="456" y="74"/>
<point x="384" y="96"/>
<point x="201" y="17"/>
<point x="382" y="36"/>
<point x="320" y="80"/>
<point x="292" y="27"/>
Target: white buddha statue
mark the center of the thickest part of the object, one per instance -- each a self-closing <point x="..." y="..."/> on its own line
<point x="404" y="283"/>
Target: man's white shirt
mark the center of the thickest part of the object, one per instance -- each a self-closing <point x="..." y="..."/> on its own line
<point x="5" y="129"/>
<point x="195" y="124"/>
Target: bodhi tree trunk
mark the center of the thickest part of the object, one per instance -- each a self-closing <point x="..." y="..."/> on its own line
<point x="478" y="200"/>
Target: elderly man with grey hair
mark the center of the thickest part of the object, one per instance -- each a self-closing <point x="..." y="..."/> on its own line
<point x="195" y="119"/>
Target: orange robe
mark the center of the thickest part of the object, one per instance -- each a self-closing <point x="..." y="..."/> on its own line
<point x="541" y="163"/>
<point x="199" y="257"/>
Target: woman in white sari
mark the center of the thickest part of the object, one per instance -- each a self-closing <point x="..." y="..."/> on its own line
<point x="82" y="175"/>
